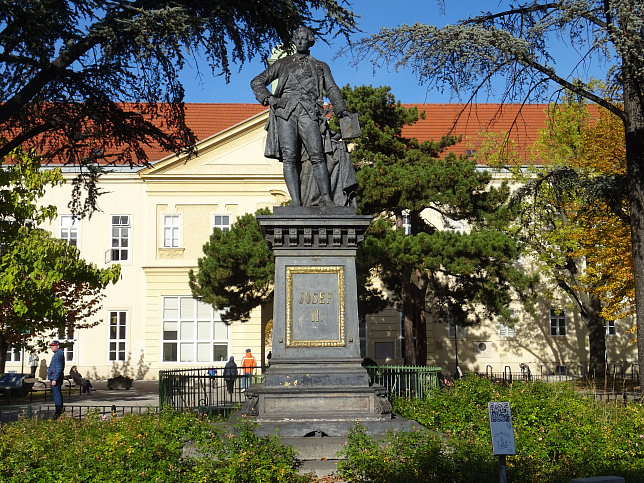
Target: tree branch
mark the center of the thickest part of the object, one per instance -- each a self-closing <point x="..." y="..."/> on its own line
<point x="521" y="11"/>
<point x="552" y="75"/>
<point x="24" y="136"/>
<point x="12" y="105"/>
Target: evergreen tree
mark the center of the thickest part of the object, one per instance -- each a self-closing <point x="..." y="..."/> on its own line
<point x="437" y="242"/>
<point x="522" y="42"/>
<point x="237" y="271"/>
<point x="68" y="68"/>
<point x="468" y="273"/>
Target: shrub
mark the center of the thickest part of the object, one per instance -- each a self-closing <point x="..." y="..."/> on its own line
<point x="245" y="457"/>
<point x="139" y="448"/>
<point x="412" y="457"/>
<point x="559" y="434"/>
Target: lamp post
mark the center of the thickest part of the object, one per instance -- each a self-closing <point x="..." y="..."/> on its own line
<point x="456" y="347"/>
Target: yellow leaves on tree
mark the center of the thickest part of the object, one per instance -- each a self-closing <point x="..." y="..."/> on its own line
<point x="602" y="145"/>
<point x="604" y="239"/>
<point x="605" y="242"/>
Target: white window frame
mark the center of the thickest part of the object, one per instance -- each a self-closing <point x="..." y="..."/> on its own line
<point x="218" y="221"/>
<point x="192" y="331"/>
<point x="507" y="332"/>
<point x="67" y="342"/>
<point x="14" y="355"/>
<point x="69" y="229"/>
<point x="117" y="247"/>
<point x="558" y="321"/>
<point x="454" y="226"/>
<point x="117" y="335"/>
<point x="611" y="328"/>
<point x="171" y="230"/>
<point x="406" y="222"/>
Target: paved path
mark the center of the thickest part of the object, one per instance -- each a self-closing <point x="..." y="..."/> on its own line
<point x="142" y="394"/>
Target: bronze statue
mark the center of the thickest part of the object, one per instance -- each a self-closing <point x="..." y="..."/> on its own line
<point x="316" y="163"/>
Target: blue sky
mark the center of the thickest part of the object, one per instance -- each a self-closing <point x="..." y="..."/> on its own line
<point x="373" y="15"/>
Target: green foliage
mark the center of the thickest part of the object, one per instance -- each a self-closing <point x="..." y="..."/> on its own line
<point x="388" y="165"/>
<point x="556" y="215"/>
<point x="93" y="80"/>
<point x="413" y="457"/>
<point x="139" y="448"/>
<point x="559" y="434"/>
<point x="528" y="45"/>
<point x="244" y="457"/>
<point x="22" y="184"/>
<point x="456" y="253"/>
<point x="236" y="273"/>
<point x="44" y="284"/>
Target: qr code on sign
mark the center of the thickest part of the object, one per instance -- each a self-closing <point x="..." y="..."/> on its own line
<point x="499" y="412"/>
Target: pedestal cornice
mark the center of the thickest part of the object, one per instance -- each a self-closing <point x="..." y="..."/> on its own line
<point x="310" y="228"/>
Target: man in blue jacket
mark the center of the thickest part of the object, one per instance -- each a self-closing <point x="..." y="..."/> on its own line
<point x="55" y="375"/>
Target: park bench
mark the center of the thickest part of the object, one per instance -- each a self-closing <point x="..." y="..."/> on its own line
<point x="13" y="384"/>
<point x="44" y="388"/>
<point x="39" y="387"/>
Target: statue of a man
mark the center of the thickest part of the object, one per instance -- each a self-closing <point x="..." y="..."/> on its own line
<point x="298" y="119"/>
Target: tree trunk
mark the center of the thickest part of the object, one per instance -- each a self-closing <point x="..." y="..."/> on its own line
<point x="634" y="133"/>
<point x="596" y="337"/>
<point x="421" y="333"/>
<point x="414" y="321"/>
<point x="420" y="303"/>
<point x="408" y="315"/>
<point x="4" y="346"/>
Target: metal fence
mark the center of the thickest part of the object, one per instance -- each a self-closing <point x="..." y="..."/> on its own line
<point x="198" y="389"/>
<point x="46" y="411"/>
<point x="568" y="372"/>
<point x="79" y="411"/>
<point x="405" y="381"/>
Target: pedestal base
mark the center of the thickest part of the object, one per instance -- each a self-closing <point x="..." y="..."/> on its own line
<point x="296" y="373"/>
<point x="333" y="404"/>
<point x="316" y="384"/>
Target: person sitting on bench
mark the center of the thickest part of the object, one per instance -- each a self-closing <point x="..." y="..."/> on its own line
<point x="79" y="380"/>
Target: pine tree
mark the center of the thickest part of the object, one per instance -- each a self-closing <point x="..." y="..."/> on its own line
<point x="437" y="242"/>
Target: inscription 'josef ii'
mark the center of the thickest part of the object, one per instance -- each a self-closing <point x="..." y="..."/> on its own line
<point x="315" y="297"/>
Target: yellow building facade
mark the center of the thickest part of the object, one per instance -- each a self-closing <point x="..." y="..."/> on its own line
<point x="154" y="222"/>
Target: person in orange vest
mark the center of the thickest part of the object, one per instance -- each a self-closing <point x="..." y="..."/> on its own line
<point x="248" y="364"/>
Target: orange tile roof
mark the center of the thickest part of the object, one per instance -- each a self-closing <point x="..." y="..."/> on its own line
<point x="518" y="123"/>
<point x="522" y="122"/>
<point x="206" y="120"/>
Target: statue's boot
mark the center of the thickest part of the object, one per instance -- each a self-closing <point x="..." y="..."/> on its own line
<point x="321" y="175"/>
<point x="292" y="179"/>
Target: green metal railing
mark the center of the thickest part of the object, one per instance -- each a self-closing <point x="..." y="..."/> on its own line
<point x="196" y="389"/>
<point x="405" y="381"/>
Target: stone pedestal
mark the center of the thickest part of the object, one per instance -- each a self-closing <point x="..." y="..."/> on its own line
<point x="316" y="378"/>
